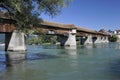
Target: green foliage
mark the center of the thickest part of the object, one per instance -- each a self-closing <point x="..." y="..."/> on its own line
<point x="42" y="38"/>
<point x="113" y="38"/>
<point x="27" y="12"/>
<point x="35" y="40"/>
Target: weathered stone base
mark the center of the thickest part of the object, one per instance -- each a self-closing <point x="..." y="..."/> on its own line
<point x="86" y="40"/>
<point x="17" y="42"/>
<point x="98" y="40"/>
<point x="69" y="41"/>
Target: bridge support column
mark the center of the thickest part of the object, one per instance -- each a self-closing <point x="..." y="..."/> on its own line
<point x="86" y="40"/>
<point x="106" y="40"/>
<point x="15" y="47"/>
<point x="15" y="41"/>
<point x="102" y="39"/>
<point x="98" y="40"/>
<point x="69" y="40"/>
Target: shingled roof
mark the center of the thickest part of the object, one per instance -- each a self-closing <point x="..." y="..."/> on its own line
<point x="59" y="25"/>
<point x="90" y="31"/>
<point x="86" y="30"/>
<point x="69" y="26"/>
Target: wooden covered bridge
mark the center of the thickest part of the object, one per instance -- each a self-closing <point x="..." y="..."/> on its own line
<point x="14" y="40"/>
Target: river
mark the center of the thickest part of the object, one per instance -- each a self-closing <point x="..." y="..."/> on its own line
<point x="98" y="62"/>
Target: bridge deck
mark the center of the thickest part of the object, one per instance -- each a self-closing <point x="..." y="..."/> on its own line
<point x="6" y="25"/>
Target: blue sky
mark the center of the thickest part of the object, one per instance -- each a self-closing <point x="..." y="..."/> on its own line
<point x="91" y="14"/>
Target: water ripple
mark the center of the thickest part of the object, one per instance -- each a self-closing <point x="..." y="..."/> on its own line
<point x="37" y="56"/>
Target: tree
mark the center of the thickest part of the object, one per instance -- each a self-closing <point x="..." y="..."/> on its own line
<point x="113" y="38"/>
<point x="27" y="12"/>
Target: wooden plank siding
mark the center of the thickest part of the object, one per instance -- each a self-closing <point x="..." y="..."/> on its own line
<point x="6" y="28"/>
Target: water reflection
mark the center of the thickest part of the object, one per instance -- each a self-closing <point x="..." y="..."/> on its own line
<point x="37" y="56"/>
<point x="117" y="46"/>
<point x="71" y="50"/>
<point x="115" y="68"/>
<point x="14" y="57"/>
<point x="90" y="46"/>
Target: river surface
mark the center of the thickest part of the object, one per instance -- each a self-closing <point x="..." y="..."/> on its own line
<point x="98" y="62"/>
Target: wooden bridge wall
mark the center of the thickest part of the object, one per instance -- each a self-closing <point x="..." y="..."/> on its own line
<point x="4" y="28"/>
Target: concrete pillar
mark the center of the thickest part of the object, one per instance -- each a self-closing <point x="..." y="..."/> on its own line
<point x="86" y="40"/>
<point x="102" y="39"/>
<point x="106" y="39"/>
<point x="17" y="42"/>
<point x="118" y="36"/>
<point x="98" y="40"/>
<point x="70" y="39"/>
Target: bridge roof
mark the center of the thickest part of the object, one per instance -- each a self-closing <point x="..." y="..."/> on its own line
<point x="86" y="30"/>
<point x="58" y="25"/>
<point x="69" y="26"/>
<point x="90" y="31"/>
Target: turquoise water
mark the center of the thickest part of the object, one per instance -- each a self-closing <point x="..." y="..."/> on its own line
<point x="98" y="62"/>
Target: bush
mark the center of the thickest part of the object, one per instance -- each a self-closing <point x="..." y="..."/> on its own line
<point x="42" y="38"/>
<point x="113" y="38"/>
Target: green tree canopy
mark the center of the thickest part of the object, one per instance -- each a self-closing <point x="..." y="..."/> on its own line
<point x="27" y="12"/>
<point x="113" y="38"/>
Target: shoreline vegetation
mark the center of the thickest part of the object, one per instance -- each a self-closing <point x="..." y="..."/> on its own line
<point x="42" y="39"/>
<point x="113" y="38"/>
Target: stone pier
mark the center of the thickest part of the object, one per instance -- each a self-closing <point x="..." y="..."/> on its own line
<point x="86" y="40"/>
<point x="15" y="47"/>
<point x="15" y="41"/>
<point x="70" y="39"/>
<point x="98" y="40"/>
<point x="102" y="40"/>
<point x="106" y="40"/>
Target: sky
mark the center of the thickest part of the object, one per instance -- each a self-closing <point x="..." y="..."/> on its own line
<point x="90" y="14"/>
